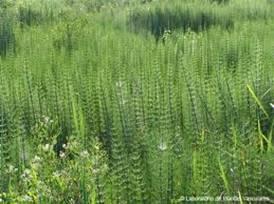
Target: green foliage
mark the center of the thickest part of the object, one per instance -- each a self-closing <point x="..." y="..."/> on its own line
<point x="27" y="16"/>
<point x="192" y="15"/>
<point x="66" y="35"/>
<point x="220" y="1"/>
<point x="93" y="113"/>
<point x="182" y="16"/>
<point x="7" y="36"/>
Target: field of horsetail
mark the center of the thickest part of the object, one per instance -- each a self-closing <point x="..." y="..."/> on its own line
<point x="136" y="101"/>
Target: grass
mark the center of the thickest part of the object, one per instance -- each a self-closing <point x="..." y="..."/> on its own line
<point x="91" y="112"/>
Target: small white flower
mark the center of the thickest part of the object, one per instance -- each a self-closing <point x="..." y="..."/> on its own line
<point x="46" y="147"/>
<point x="95" y="170"/>
<point x="1" y="200"/>
<point x="26" y="198"/>
<point x="272" y="105"/>
<point x="62" y="154"/>
<point x="65" y="146"/>
<point x="162" y="146"/>
<point x="11" y="168"/>
<point x="26" y="174"/>
<point x="46" y="119"/>
<point x="36" y="159"/>
<point x="84" y="154"/>
<point x="56" y="174"/>
<point x="119" y="84"/>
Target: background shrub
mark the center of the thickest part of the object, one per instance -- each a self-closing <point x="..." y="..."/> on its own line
<point x="7" y="36"/>
<point x="184" y="16"/>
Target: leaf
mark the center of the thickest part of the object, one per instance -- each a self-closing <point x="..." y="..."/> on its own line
<point x="240" y="197"/>
<point x="257" y="100"/>
<point x="223" y="175"/>
<point x="263" y="137"/>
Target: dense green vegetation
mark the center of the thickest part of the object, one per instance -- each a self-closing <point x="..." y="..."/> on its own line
<point x="109" y="101"/>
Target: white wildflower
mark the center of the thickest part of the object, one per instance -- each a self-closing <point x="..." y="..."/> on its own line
<point x="62" y="154"/>
<point x="27" y="171"/>
<point x="95" y="170"/>
<point x="84" y="154"/>
<point x="26" y="174"/>
<point x="1" y="200"/>
<point x="162" y="146"/>
<point x="119" y="84"/>
<point x="272" y="105"/>
<point x="36" y="159"/>
<point x="46" y="147"/>
<point x="65" y="146"/>
<point x="26" y="198"/>
<point x="46" y="119"/>
<point x="11" y="169"/>
<point x="56" y="174"/>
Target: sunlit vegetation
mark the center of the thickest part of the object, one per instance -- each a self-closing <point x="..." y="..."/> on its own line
<point x="109" y="101"/>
